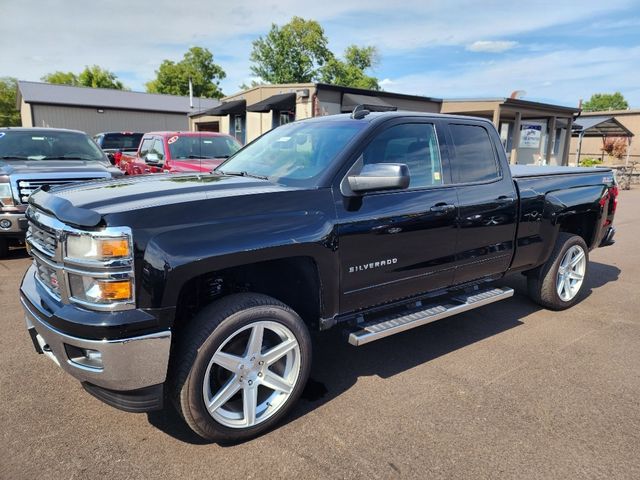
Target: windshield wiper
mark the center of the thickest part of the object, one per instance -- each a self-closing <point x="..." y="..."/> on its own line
<point x="14" y="157"/>
<point x="242" y="174"/>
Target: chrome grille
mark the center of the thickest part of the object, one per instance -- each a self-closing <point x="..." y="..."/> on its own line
<point x="47" y="276"/>
<point x="27" y="187"/>
<point x="42" y="239"/>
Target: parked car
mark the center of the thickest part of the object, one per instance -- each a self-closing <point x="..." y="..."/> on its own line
<point x="174" y="152"/>
<point x="114" y="144"/>
<point x="31" y="158"/>
<point x="204" y="288"/>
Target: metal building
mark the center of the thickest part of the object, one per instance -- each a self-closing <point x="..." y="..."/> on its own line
<point x="95" y="110"/>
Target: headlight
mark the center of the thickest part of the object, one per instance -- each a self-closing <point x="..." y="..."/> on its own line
<point x="6" y="195"/>
<point x="100" y="291"/>
<point x="88" y="247"/>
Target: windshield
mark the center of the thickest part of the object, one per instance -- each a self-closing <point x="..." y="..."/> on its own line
<point x="125" y="141"/>
<point x="48" y="145"/>
<point x="295" y="153"/>
<point x="190" y="146"/>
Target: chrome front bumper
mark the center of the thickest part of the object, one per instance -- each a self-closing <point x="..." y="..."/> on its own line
<point x="127" y="364"/>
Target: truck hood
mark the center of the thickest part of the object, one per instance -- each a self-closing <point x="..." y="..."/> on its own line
<point x="85" y="204"/>
<point x="17" y="167"/>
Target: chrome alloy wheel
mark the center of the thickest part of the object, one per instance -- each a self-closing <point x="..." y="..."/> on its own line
<point x="252" y="374"/>
<point x="571" y="273"/>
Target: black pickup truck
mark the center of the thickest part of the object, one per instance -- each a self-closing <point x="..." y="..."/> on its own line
<point x="203" y="289"/>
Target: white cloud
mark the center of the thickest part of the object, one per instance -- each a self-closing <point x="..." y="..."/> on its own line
<point x="492" y="46"/>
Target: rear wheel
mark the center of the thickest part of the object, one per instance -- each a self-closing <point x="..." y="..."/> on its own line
<point x="557" y="284"/>
<point x="243" y="364"/>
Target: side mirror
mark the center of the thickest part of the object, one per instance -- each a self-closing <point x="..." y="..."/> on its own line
<point x="152" y="158"/>
<point x="380" y="176"/>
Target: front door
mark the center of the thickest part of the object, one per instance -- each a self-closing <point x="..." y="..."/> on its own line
<point x="395" y="244"/>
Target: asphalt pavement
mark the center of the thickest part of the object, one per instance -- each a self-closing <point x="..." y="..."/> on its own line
<point x="506" y="391"/>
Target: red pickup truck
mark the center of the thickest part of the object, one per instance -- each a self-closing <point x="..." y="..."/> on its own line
<point x="174" y="152"/>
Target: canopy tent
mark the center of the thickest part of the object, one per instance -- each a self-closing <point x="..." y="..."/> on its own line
<point x="373" y="104"/>
<point x="279" y="102"/>
<point x="234" y="107"/>
<point x="599" y="126"/>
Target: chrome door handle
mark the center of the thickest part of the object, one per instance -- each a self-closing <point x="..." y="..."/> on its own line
<point x="443" y="208"/>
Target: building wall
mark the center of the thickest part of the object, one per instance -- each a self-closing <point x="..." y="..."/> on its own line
<point x="591" y="146"/>
<point x="90" y="121"/>
<point x="328" y="103"/>
<point x="25" y="114"/>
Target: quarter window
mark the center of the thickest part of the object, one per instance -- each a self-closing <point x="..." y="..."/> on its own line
<point x="475" y="159"/>
<point x="415" y="145"/>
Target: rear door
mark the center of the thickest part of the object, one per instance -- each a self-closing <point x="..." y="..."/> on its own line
<point x="487" y="201"/>
<point x="397" y="244"/>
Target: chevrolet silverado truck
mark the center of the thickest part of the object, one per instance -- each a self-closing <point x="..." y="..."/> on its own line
<point x="178" y="152"/>
<point x="32" y="157"/>
<point x="202" y="289"/>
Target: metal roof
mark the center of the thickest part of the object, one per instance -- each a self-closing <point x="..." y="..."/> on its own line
<point x="600" y="126"/>
<point x="50" y="94"/>
<point x="517" y="103"/>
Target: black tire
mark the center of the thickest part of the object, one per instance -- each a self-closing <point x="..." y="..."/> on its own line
<point x="4" y="248"/>
<point x="541" y="282"/>
<point x="198" y="343"/>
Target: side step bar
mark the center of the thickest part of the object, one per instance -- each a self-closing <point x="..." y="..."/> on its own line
<point x="446" y="307"/>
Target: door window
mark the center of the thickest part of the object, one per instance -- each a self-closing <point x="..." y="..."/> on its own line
<point x="413" y="144"/>
<point x="475" y="158"/>
<point x="146" y="145"/>
<point x="158" y="149"/>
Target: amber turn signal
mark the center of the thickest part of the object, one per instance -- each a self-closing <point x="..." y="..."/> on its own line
<point x="120" y="290"/>
<point x="116" y="247"/>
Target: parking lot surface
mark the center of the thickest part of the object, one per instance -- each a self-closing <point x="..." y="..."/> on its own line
<point x="506" y="391"/>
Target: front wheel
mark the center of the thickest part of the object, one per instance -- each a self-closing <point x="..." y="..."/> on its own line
<point x="4" y="248"/>
<point x="557" y="284"/>
<point x="242" y="365"/>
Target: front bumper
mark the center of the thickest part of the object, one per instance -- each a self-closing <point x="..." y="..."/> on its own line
<point x="127" y="364"/>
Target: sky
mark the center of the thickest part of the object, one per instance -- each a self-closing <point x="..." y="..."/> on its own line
<point x="552" y="51"/>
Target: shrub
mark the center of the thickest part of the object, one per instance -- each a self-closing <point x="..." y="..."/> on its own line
<point x="615" y="146"/>
<point x="590" y="162"/>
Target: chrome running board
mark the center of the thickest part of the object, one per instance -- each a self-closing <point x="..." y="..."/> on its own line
<point x="421" y="315"/>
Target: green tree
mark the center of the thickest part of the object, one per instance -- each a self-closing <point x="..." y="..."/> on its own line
<point x="605" y="101"/>
<point x="293" y="53"/>
<point x="97" y="77"/>
<point x="350" y="72"/>
<point x="61" y="78"/>
<point x="197" y="64"/>
<point x="92" y="76"/>
<point x="9" y="114"/>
